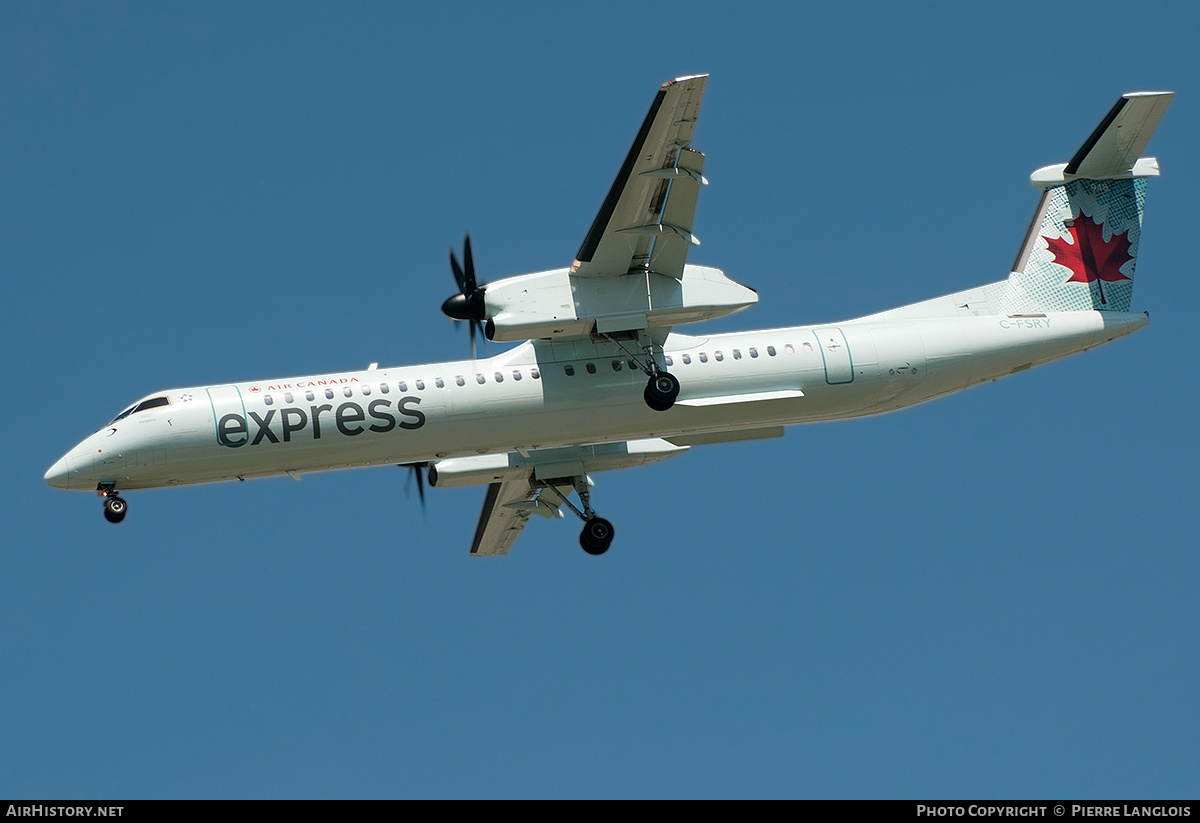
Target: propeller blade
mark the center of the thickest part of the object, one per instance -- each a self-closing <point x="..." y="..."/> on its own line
<point x="459" y="277"/>
<point x="470" y="267"/>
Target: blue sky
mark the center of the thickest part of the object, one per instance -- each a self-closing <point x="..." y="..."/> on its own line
<point x="991" y="595"/>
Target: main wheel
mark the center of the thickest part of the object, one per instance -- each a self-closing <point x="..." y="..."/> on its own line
<point x="661" y="391"/>
<point x="596" y="536"/>
<point x="115" y="509"/>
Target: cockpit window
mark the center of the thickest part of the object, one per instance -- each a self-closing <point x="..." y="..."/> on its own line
<point x="152" y="403"/>
<point x="125" y="413"/>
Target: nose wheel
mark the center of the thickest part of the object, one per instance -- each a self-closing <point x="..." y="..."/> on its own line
<point x="115" y="508"/>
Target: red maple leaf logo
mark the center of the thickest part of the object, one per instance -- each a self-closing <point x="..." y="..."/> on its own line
<point x="1090" y="257"/>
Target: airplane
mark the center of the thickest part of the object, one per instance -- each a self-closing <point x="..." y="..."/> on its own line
<point x="603" y="379"/>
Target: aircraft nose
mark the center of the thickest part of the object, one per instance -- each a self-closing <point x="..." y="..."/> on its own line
<point x="58" y="474"/>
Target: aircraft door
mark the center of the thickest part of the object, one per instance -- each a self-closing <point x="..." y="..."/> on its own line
<point x="839" y="367"/>
<point x="229" y="415"/>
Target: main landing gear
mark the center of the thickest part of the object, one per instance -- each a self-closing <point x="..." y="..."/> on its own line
<point x="115" y="507"/>
<point x="663" y="388"/>
<point x="597" y="532"/>
<point x="661" y="391"/>
<point x="596" y="536"/>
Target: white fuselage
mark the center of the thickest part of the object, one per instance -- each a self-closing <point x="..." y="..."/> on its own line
<point x="547" y="394"/>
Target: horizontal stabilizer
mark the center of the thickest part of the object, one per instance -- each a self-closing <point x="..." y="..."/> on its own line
<point x="1113" y="151"/>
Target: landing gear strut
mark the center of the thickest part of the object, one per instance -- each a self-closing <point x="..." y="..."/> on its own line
<point x="115" y="507"/>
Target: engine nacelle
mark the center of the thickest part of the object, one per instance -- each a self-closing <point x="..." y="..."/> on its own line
<point x="557" y="304"/>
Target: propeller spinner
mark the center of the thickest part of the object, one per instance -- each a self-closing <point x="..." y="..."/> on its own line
<point x="467" y="305"/>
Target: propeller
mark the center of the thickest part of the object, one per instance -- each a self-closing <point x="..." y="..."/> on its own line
<point x="468" y="304"/>
<point x="417" y="467"/>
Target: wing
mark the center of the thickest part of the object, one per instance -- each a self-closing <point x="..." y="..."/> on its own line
<point x="645" y="223"/>
<point x="539" y="481"/>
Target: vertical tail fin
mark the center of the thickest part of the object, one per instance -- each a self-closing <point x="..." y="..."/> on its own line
<point x="1081" y="248"/>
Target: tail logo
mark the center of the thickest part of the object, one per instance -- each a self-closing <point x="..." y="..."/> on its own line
<point x="1090" y="257"/>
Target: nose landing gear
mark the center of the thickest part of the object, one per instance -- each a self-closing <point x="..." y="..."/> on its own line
<point x="115" y="507"/>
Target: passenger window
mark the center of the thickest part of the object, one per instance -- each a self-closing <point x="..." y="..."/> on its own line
<point x="569" y="369"/>
<point x="287" y="397"/>
<point x="348" y="392"/>
<point x="737" y="354"/>
<point x="329" y="394"/>
<point x="753" y="352"/>
<point x="480" y="379"/>
<point x="383" y="388"/>
<point x="516" y="374"/>
<point x="616" y="364"/>
<point x="420" y="385"/>
<point x="703" y="357"/>
<point x="591" y="368"/>
<point x="309" y="396"/>
<point x="269" y="400"/>
<point x="499" y="377"/>
<point x="535" y="374"/>
<point x="437" y="381"/>
<point x="789" y="349"/>
<point x="719" y="356"/>
<point x="459" y="381"/>
<point x="668" y="360"/>
<point x="771" y="350"/>
<point x="687" y="360"/>
<point x="403" y="387"/>
<point x="366" y="390"/>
